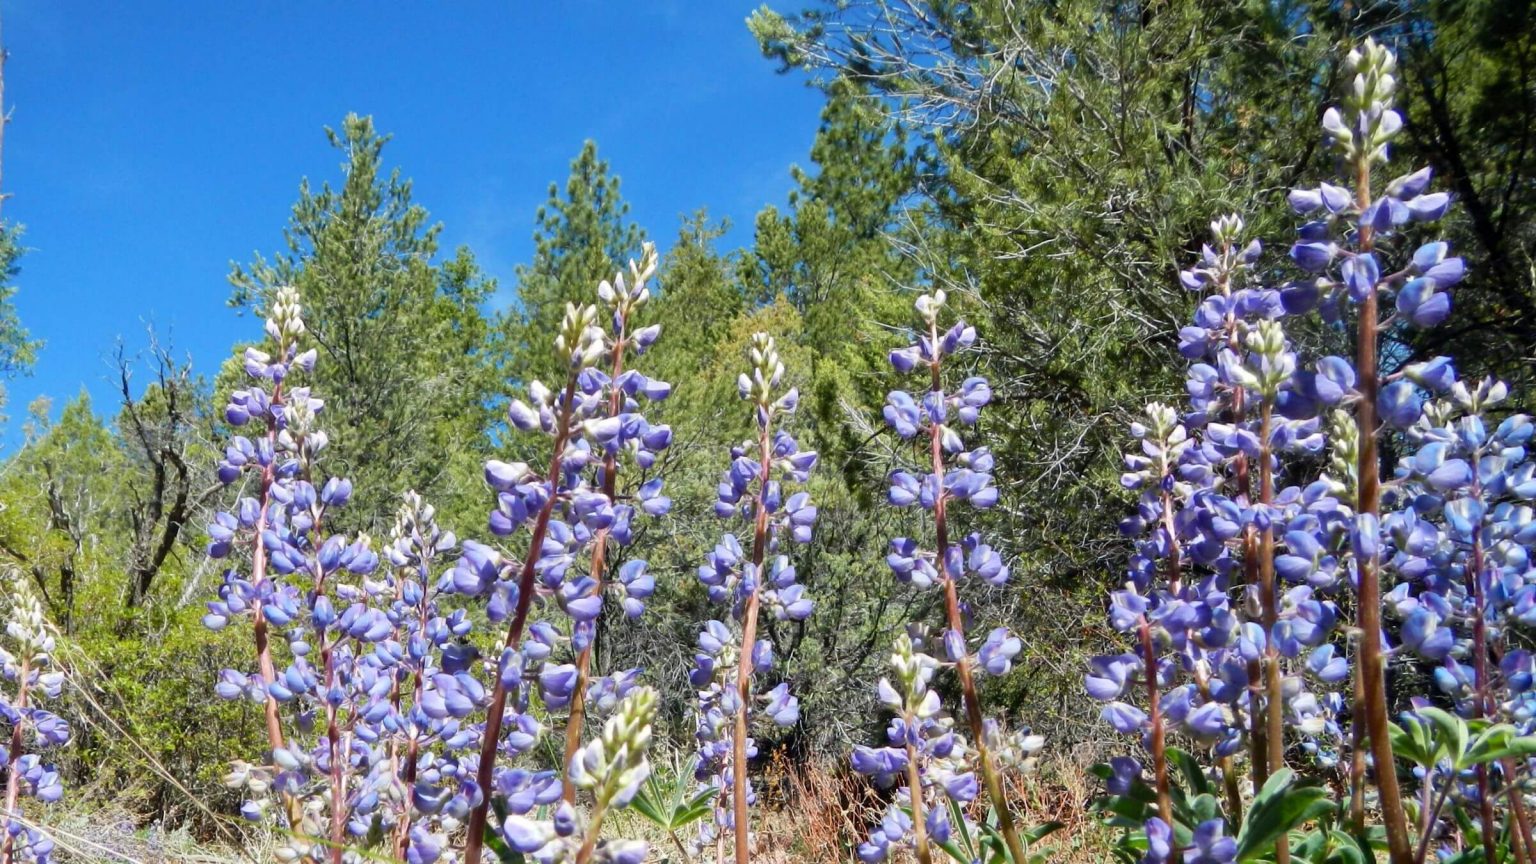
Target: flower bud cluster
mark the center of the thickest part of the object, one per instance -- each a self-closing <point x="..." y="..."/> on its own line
<point x="612" y="769"/>
<point x="921" y="735"/>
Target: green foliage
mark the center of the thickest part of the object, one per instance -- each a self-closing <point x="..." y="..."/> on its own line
<point x="831" y="257"/>
<point x="18" y="350"/>
<point x="674" y="803"/>
<point x="1283" y="806"/>
<point x="1280" y="807"/>
<point x="1064" y="155"/>
<point x="59" y="494"/>
<point x="150" y="728"/>
<point x="1435" y="738"/>
<point x="407" y="363"/>
<point x="580" y="238"/>
<point x="1469" y="73"/>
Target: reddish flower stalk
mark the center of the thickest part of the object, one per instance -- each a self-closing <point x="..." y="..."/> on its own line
<point x="338" y="781"/>
<point x="1274" y="704"/>
<point x="1258" y="735"/>
<point x="973" y="714"/>
<point x="491" y="737"/>
<point x="412" y="750"/>
<point x="13" y="770"/>
<point x="1523" y="844"/>
<point x="1357" y="753"/>
<point x="744" y="662"/>
<point x="915" y="793"/>
<point x="1372" y="669"/>
<point x="1481" y="696"/>
<point x="264" y="662"/>
<point x="1155" y="717"/>
<point x="599" y="570"/>
<point x="1258" y="738"/>
<point x="1150" y="667"/>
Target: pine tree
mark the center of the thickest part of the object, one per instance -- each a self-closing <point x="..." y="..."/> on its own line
<point x="831" y="256"/>
<point x="583" y="236"/>
<point x="407" y="367"/>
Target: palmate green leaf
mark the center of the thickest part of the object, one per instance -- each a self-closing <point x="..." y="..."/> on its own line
<point x="1518" y="746"/>
<point x="1412" y="741"/>
<point x="694" y="809"/>
<point x="667" y="805"/>
<point x="994" y="849"/>
<point x="646" y="805"/>
<point x="1279" y="807"/>
<point x="1313" y="848"/>
<point x="1450" y="731"/>
<point x="1344" y="849"/>
<point x="1487" y="742"/>
<point x="953" y="850"/>
<point x="1202" y="808"/>
<point x="1498" y="742"/>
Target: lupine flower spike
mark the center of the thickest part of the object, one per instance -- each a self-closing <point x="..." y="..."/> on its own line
<point x="30" y="731"/>
<point x="301" y="581"/>
<point x="751" y="490"/>
<point x="524" y="499"/>
<point x="951" y="475"/>
<point x="619" y="429"/>
<point x="570" y="512"/>
<point x="1447" y="532"/>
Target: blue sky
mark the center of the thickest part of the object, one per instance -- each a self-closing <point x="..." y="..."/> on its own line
<point x="154" y="142"/>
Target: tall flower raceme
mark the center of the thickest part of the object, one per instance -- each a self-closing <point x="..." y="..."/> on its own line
<point x="30" y="730"/>
<point x="931" y="761"/>
<point x="620" y="430"/>
<point x="1447" y="536"/>
<point x="752" y="490"/>
<point x="571" y="513"/>
<point x="333" y="778"/>
<point x="422" y="786"/>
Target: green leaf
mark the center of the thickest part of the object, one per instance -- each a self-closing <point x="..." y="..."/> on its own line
<point x="1452" y="733"/>
<point x="1344" y="849"/>
<point x="954" y="852"/>
<point x="1279" y="807"/>
<point x="1500" y="742"/>
<point x="646" y="805"/>
<point x="1189" y="769"/>
<point x="962" y="831"/>
<point x="1410" y="742"/>
<point x="994" y="847"/>
<point x="694" y="808"/>
<point x="1036" y="833"/>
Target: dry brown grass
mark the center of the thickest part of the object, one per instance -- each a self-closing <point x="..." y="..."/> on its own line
<point x="818" y="813"/>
